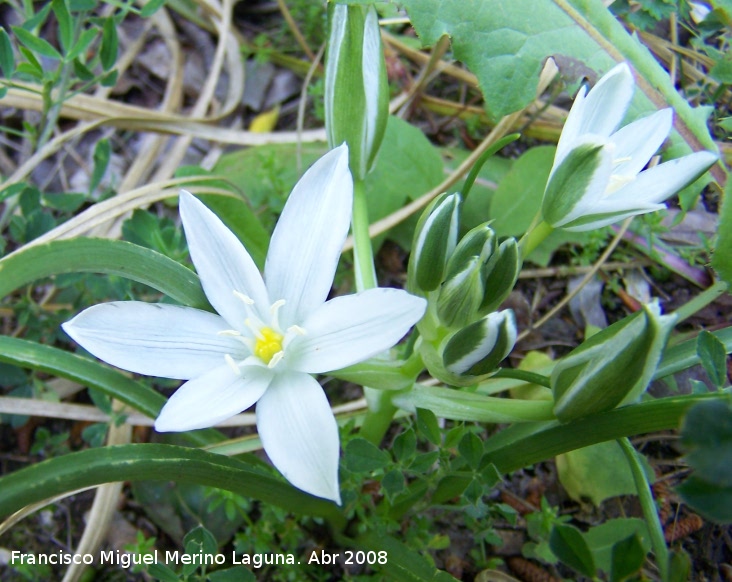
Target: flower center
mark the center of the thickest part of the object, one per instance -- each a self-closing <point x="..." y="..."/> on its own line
<point x="269" y="344"/>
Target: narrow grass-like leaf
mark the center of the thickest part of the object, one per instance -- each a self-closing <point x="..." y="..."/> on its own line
<point x="551" y="439"/>
<point x="91" y="374"/>
<point x="102" y="256"/>
<point x="713" y="357"/>
<point x="36" y="44"/>
<point x="155" y="462"/>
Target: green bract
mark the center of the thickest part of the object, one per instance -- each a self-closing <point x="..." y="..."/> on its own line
<point x="356" y="86"/>
<point x="612" y="367"/>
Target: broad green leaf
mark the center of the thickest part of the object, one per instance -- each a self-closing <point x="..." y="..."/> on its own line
<point x="518" y="197"/>
<point x="407" y="166"/>
<point x="36" y="44"/>
<point x="596" y="473"/>
<point x="102" y="256"/>
<point x="602" y="538"/>
<point x="506" y="50"/>
<point x="163" y="573"/>
<point x="7" y="59"/>
<point x="159" y="462"/>
<point x="722" y="258"/>
<point x="713" y="357"/>
<point x="706" y="436"/>
<point x="471" y="448"/>
<point x="628" y="557"/>
<point x="685" y="354"/>
<point x="405" y="445"/>
<point x="428" y="426"/>
<point x="108" y="50"/>
<point x="571" y="548"/>
<point x="65" y="25"/>
<point x="361" y="456"/>
<point x="711" y="500"/>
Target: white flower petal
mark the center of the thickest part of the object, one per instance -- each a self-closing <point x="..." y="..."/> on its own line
<point x="350" y="329"/>
<point x="606" y="103"/>
<point x="307" y="241"/>
<point x="664" y="180"/>
<point x="300" y="434"/>
<point x="153" y="339"/>
<point x="638" y="141"/>
<point x="222" y="262"/>
<point x="209" y="399"/>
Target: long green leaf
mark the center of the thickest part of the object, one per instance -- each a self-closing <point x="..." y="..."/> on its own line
<point x="542" y="444"/>
<point x="102" y="256"/>
<point x="27" y="354"/>
<point x="155" y="462"/>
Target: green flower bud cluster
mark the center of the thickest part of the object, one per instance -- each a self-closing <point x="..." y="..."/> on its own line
<point x="465" y="281"/>
<point x="613" y="367"/>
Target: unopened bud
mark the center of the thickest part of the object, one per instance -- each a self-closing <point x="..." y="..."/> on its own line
<point x="434" y="242"/>
<point x="613" y="367"/>
<point x="501" y="273"/>
<point x="356" y="85"/>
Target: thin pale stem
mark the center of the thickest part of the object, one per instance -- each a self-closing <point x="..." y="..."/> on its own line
<point x="648" y="505"/>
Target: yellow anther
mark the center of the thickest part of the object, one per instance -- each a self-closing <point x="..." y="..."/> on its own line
<point x="268" y="345"/>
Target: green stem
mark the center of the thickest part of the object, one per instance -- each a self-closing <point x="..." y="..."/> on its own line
<point x="648" y="505"/>
<point x="700" y="301"/>
<point x="475" y="170"/>
<point x="534" y="237"/>
<point x="531" y="377"/>
<point x="363" y="253"/>
<point x="381" y="410"/>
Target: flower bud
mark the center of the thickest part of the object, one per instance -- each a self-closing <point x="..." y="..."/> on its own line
<point x="477" y="349"/>
<point x="480" y="242"/>
<point x="460" y="295"/>
<point x="500" y="273"/>
<point x="434" y="242"/>
<point x="613" y="367"/>
<point x="356" y="85"/>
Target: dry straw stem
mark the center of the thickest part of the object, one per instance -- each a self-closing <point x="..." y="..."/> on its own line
<point x="90" y="413"/>
<point x="112" y="208"/>
<point x="586" y="279"/>
<point x="103" y="507"/>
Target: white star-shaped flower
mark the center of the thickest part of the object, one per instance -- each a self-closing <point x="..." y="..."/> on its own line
<point x="270" y="334"/>
<point x="596" y="178"/>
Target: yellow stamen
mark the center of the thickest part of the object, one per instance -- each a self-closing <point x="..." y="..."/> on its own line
<point x="268" y="345"/>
